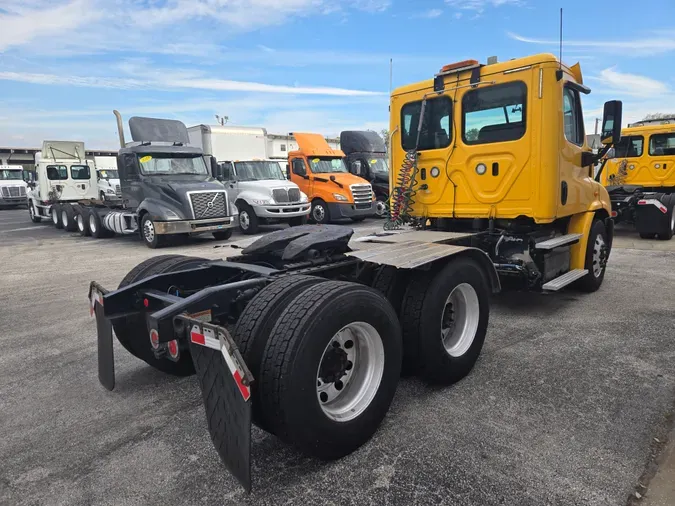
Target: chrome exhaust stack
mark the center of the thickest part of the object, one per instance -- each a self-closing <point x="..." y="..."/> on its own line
<point x="120" y="127"/>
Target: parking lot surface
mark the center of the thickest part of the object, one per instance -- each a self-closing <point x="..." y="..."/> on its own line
<point x="562" y="407"/>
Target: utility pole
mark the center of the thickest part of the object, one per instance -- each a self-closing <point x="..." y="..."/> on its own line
<point x="597" y="120"/>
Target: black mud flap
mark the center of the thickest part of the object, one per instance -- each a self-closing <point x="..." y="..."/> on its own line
<point x="225" y="382"/>
<point x="106" y="358"/>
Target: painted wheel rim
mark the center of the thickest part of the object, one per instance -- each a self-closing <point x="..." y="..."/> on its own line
<point x="598" y="256"/>
<point x="149" y="231"/>
<point x="92" y="224"/>
<point x="244" y="220"/>
<point x="459" y="321"/>
<point x="350" y="372"/>
<point x="318" y="213"/>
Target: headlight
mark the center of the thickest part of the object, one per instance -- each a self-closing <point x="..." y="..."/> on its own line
<point x="110" y="190"/>
<point x="303" y="197"/>
<point x="340" y="197"/>
<point x="263" y="202"/>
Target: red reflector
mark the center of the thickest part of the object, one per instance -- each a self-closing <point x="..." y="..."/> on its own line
<point x="197" y="338"/>
<point x="642" y="202"/>
<point x="663" y="209"/>
<point x="614" y="214"/>
<point x="173" y="348"/>
<point x="146" y="302"/>
<point x="458" y="65"/>
<point x="154" y="338"/>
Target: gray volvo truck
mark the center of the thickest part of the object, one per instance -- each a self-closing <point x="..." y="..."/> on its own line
<point x="167" y="189"/>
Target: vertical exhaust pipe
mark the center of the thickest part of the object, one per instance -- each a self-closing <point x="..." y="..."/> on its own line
<point x="120" y="127"/>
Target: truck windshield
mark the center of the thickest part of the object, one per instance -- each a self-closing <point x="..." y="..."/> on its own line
<point x="327" y="164"/>
<point x="168" y="164"/>
<point x="108" y="174"/>
<point x="11" y="175"/>
<point x="379" y="165"/>
<point x="258" y="171"/>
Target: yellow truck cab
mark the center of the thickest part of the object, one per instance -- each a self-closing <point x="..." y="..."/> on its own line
<point x="321" y="173"/>
<point x="639" y="175"/>
<point x="500" y="150"/>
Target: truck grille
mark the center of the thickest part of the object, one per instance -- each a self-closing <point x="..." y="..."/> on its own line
<point x="13" y="191"/>
<point x="208" y="205"/>
<point x="118" y="190"/>
<point x="363" y="194"/>
<point x="283" y="196"/>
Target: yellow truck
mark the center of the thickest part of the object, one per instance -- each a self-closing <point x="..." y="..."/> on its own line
<point x="639" y="175"/>
<point x="306" y="332"/>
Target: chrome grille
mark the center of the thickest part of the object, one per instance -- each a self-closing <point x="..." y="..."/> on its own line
<point x="13" y="191"/>
<point x="284" y="196"/>
<point x="362" y="193"/>
<point x="118" y="190"/>
<point x="208" y="204"/>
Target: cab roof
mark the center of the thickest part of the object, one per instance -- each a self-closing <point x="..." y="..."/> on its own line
<point x="649" y="129"/>
<point x="315" y="145"/>
<point x="496" y="68"/>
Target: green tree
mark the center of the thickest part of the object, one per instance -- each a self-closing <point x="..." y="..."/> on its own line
<point x="658" y="115"/>
<point x="472" y="135"/>
<point x="384" y="133"/>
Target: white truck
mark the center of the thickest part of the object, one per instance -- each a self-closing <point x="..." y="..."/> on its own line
<point x="63" y="177"/>
<point x="108" y="178"/>
<point x="257" y="185"/>
<point x="12" y="186"/>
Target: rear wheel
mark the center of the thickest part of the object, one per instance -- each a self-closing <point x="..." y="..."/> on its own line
<point x="597" y="252"/>
<point x="249" y="223"/>
<point x="31" y="211"/>
<point x="96" y="228"/>
<point x="132" y="331"/>
<point x="256" y="323"/>
<point x="391" y="283"/>
<point x="56" y="215"/>
<point x="68" y="218"/>
<point x="82" y="221"/>
<point x="644" y="235"/>
<point x="330" y="368"/>
<point x="444" y="318"/>
<point x="669" y="223"/>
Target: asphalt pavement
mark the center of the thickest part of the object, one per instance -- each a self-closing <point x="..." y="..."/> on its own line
<point x="562" y="408"/>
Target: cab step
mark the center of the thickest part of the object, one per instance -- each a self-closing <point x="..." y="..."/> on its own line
<point x="562" y="281"/>
<point x="556" y="242"/>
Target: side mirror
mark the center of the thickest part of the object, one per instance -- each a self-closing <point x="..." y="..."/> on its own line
<point x="214" y="167"/>
<point x="611" y="123"/>
<point x="288" y="172"/>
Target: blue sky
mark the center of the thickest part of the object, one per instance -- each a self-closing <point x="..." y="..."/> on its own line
<point x="303" y="65"/>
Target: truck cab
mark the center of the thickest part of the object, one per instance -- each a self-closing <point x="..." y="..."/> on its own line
<point x="321" y="173"/>
<point x="500" y="150"/>
<point x="108" y="184"/>
<point x="366" y="157"/>
<point x="12" y="186"/>
<point x="639" y="174"/>
<point x="262" y="194"/>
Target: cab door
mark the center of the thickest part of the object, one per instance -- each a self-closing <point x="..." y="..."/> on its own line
<point x="229" y="179"/>
<point x="662" y="158"/>
<point x="576" y="189"/>
<point x="300" y="175"/>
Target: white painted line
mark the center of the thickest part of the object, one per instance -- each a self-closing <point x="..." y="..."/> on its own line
<point x="25" y="228"/>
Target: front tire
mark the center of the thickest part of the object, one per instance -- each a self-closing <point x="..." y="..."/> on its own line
<point x="249" y="223"/>
<point x="31" y="212"/>
<point x="330" y="368"/>
<point x="444" y="318"/>
<point x="149" y="233"/>
<point x="319" y="212"/>
<point x="56" y="216"/>
<point x="380" y="208"/>
<point x="597" y="252"/>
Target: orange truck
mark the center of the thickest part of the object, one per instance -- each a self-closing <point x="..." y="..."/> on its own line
<point x="321" y="173"/>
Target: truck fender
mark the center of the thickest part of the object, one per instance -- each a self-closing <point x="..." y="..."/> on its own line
<point x="249" y="196"/>
<point x="488" y="266"/>
<point x="161" y="211"/>
<point x="581" y="224"/>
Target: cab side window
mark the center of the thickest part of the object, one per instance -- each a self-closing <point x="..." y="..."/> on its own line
<point x="494" y="113"/>
<point x="299" y="167"/>
<point x="57" y="172"/>
<point x="573" y="120"/>
<point x="436" y="131"/>
<point x="662" y="145"/>
<point x="629" y="147"/>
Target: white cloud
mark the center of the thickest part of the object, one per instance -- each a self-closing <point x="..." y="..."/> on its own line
<point x="428" y="14"/>
<point x="479" y="6"/>
<point x="628" y="46"/>
<point x="630" y="84"/>
<point x="177" y="81"/>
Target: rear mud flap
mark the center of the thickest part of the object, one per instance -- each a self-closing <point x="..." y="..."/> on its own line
<point x="106" y="357"/>
<point x="225" y="382"/>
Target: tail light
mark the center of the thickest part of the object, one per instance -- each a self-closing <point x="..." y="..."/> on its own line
<point x="154" y="339"/>
<point x="173" y="349"/>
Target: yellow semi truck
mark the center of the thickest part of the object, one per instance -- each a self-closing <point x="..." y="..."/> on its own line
<point x="306" y="332"/>
<point x="639" y="175"/>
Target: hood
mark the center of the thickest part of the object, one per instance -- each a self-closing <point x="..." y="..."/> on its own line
<point x="345" y="178"/>
<point x="268" y="184"/>
<point x="13" y="182"/>
<point x="366" y="141"/>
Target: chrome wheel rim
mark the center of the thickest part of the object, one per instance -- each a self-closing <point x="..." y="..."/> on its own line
<point x="318" y="213"/>
<point x="31" y="211"/>
<point x="380" y="208"/>
<point x="92" y="224"/>
<point x="244" y="220"/>
<point x="64" y="218"/>
<point x="55" y="216"/>
<point x="350" y="372"/>
<point x="80" y="222"/>
<point x="672" y="220"/>
<point x="598" y="248"/>
<point x="149" y="231"/>
<point x="459" y="321"/>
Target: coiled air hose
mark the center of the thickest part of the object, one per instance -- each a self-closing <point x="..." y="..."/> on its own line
<point x="402" y="196"/>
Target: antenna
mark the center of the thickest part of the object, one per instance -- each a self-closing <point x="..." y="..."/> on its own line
<point x="391" y="73"/>
<point x="559" y="73"/>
